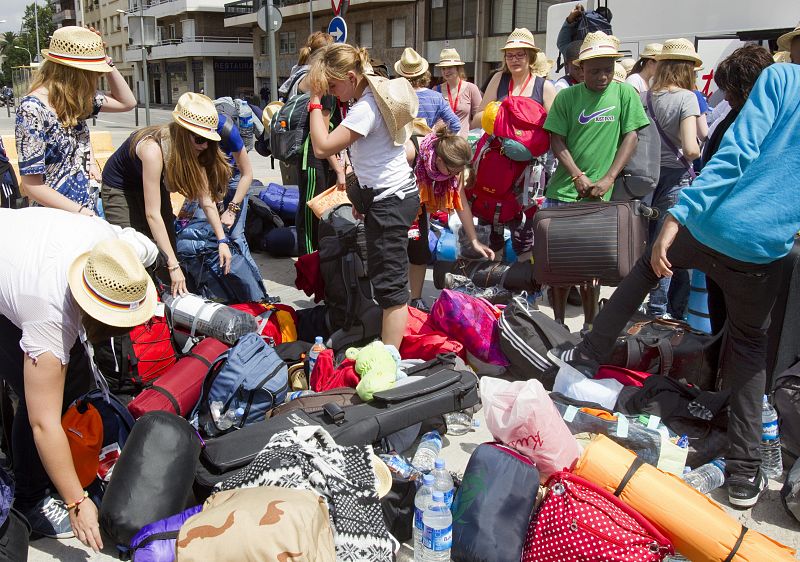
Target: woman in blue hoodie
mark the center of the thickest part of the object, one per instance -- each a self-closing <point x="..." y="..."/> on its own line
<point x="734" y="223"/>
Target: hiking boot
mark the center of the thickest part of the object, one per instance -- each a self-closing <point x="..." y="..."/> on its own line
<point x="743" y="494"/>
<point x="568" y="356"/>
<point x="419" y="304"/>
<point x="454" y="281"/>
<point x="49" y="518"/>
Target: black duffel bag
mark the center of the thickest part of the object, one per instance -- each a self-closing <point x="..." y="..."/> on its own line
<point x="670" y="348"/>
<point x="153" y="476"/>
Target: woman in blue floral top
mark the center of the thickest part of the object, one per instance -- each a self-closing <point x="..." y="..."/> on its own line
<point x="55" y="154"/>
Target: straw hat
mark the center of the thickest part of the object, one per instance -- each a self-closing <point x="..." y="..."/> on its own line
<point x="599" y="45"/>
<point x="680" y="49"/>
<point x="785" y="40"/>
<point x="543" y="65"/>
<point x="77" y="47"/>
<point x="520" y="38"/>
<point x="111" y="285"/>
<point x="398" y="104"/>
<point x="620" y="74"/>
<point x="411" y="64"/>
<point x="449" y="57"/>
<point x="651" y="51"/>
<point x="383" y="476"/>
<point x="628" y="64"/>
<point x="782" y="56"/>
<point x="270" y="110"/>
<point x="197" y="113"/>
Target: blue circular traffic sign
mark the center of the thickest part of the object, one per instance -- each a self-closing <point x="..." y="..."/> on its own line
<point x="338" y="29"/>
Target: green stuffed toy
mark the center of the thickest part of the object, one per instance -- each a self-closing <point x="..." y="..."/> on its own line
<point x="376" y="366"/>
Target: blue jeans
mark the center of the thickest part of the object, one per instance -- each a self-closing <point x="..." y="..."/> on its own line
<point x="670" y="183"/>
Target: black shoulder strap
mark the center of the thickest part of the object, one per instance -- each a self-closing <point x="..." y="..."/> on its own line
<point x="635" y="465"/>
<point x="502" y="87"/>
<point x="415" y="142"/>
<point x="227" y="129"/>
<point x="736" y="546"/>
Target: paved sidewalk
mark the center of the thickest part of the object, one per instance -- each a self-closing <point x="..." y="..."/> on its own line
<point x="767" y="517"/>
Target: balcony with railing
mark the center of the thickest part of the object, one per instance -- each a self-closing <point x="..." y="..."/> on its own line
<point x="197" y="46"/>
<point x="243" y="12"/>
<point x="165" y="8"/>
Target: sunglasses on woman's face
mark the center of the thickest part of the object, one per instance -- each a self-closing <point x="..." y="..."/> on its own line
<point x="200" y="140"/>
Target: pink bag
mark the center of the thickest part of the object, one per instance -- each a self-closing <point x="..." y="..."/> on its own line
<point x="521" y="415"/>
<point x="471" y="321"/>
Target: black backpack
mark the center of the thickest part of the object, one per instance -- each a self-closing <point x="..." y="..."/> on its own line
<point x="343" y="266"/>
<point x="787" y="402"/>
<point x="10" y="195"/>
<point x="591" y="21"/>
<point x="526" y="335"/>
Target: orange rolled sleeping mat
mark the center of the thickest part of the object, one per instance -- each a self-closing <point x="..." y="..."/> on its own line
<point x="698" y="527"/>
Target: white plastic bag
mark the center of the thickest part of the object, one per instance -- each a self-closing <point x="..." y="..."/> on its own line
<point x="576" y="385"/>
<point x="521" y="415"/>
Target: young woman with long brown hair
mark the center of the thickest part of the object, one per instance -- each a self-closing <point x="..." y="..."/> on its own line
<point x="55" y="153"/>
<point x="182" y="157"/>
<point x="675" y="109"/>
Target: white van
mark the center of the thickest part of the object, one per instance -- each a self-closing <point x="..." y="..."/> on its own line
<point x="717" y="27"/>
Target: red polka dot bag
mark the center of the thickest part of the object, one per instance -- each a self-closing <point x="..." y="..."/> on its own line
<point x="580" y="522"/>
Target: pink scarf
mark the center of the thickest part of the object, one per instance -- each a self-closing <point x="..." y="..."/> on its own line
<point x="428" y="174"/>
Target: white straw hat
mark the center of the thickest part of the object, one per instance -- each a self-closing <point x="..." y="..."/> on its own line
<point x="520" y="38"/>
<point x="111" y="285"/>
<point x="542" y="66"/>
<point x="398" y="104"/>
<point x="620" y="74"/>
<point x="449" y="57"/>
<point x="680" y="49"/>
<point x="785" y="40"/>
<point x="411" y="64"/>
<point x="197" y="113"/>
<point x="599" y="45"/>
<point x="782" y="56"/>
<point x="77" y="47"/>
<point x="628" y="64"/>
<point x="651" y="51"/>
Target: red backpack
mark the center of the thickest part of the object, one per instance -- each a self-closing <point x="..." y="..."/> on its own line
<point x="502" y="158"/>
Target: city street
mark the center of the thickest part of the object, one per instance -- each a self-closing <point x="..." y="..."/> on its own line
<point x="767" y="517"/>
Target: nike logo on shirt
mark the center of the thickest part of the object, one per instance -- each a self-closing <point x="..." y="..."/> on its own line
<point x="596" y="116"/>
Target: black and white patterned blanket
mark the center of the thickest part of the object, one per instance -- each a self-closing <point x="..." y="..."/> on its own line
<point x="308" y="458"/>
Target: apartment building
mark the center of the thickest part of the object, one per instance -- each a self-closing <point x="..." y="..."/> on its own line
<point x="105" y="15"/>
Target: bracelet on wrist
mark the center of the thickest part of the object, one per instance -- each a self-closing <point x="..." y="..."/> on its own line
<point x="74" y="505"/>
<point x="225" y="240"/>
<point x="579" y="175"/>
<point x="175" y="267"/>
<point x="234" y="207"/>
<point x="313" y="106"/>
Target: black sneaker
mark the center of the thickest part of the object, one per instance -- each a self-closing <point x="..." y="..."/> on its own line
<point x="568" y="356"/>
<point x="49" y="518"/>
<point x="743" y="494"/>
<point x="419" y="304"/>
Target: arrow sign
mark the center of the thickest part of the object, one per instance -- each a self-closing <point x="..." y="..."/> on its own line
<point x="338" y="29"/>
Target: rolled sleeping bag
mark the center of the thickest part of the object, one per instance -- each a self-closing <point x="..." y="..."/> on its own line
<point x="516" y="277"/>
<point x="283" y="199"/>
<point x="153" y="477"/>
<point x="282" y="242"/>
<point x="698" y="527"/>
<point x="155" y="542"/>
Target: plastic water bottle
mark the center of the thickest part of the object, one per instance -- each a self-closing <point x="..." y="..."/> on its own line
<point x="316" y="349"/>
<point x="458" y="423"/>
<point x="421" y="502"/>
<point x="443" y="482"/>
<point x="437" y="533"/>
<point x="230" y="418"/>
<point x="708" y="477"/>
<point x="428" y="450"/>
<point x="771" y="459"/>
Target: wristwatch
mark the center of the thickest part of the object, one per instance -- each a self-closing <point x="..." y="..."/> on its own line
<point x="225" y="240"/>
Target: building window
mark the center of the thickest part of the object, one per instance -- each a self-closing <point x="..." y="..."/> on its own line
<point x="364" y="34"/>
<point x="398" y="27"/>
<point x="452" y="19"/>
<point x="288" y="43"/>
<point x="509" y="14"/>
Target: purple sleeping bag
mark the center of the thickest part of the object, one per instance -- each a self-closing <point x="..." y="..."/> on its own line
<point x="156" y="542"/>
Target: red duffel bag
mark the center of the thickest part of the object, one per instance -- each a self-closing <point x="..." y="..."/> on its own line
<point x="178" y="390"/>
<point x="277" y="323"/>
<point x="422" y="341"/>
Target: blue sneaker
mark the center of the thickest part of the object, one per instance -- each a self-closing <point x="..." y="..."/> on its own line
<point x="49" y="518"/>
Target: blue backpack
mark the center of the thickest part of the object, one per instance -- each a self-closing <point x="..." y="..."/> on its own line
<point x="246" y="381"/>
<point x="590" y="22"/>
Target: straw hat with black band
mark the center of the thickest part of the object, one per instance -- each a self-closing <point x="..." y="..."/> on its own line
<point x="680" y="49"/>
<point x="398" y="104"/>
<point x="111" y="285"/>
<point x="79" y="48"/>
<point x="411" y="64"/>
<point x="449" y="57"/>
<point x="197" y="113"/>
<point x="785" y="40"/>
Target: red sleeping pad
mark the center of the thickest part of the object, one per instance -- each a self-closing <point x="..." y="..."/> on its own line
<point x="178" y="390"/>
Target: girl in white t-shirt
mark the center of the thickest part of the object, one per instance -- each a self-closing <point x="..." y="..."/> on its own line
<point x="645" y="68"/>
<point x="374" y="131"/>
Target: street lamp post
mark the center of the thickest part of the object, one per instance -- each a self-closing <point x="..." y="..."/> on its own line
<point x="145" y="76"/>
<point x="36" y="23"/>
<point x="30" y="58"/>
